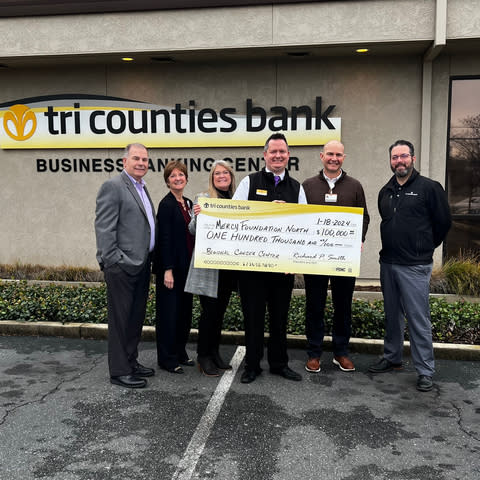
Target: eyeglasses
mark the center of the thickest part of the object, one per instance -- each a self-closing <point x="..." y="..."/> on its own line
<point x="337" y="155"/>
<point x="403" y="156"/>
<point x="225" y="172"/>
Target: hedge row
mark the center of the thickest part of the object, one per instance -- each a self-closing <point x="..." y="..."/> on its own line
<point x="457" y="322"/>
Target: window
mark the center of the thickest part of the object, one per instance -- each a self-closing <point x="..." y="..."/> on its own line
<point x="463" y="166"/>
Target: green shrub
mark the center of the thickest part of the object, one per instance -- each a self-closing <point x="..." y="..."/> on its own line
<point x="52" y="303"/>
<point x="457" y="322"/>
<point x="460" y="275"/>
<point x="463" y="278"/>
<point x="367" y="319"/>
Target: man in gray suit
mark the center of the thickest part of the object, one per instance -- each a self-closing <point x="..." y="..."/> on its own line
<point x="125" y="231"/>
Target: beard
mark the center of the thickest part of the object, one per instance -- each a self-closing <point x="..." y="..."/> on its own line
<point x="405" y="172"/>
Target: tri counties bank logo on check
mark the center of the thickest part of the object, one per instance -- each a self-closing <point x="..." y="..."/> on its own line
<point x="225" y="206"/>
<point x="87" y="121"/>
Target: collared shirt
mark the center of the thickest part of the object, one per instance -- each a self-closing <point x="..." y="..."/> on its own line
<point x="332" y="181"/>
<point x="241" y="193"/>
<point x="148" y="207"/>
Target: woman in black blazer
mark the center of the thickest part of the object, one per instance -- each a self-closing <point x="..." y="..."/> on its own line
<point x="173" y="251"/>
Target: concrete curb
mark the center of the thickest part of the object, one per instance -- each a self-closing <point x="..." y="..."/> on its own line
<point x="99" y="331"/>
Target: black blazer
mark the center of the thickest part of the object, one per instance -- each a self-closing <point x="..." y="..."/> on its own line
<point x="171" y="250"/>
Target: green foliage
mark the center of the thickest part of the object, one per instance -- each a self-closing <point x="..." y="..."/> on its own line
<point x="457" y="322"/>
<point x="367" y="319"/>
<point x="460" y="275"/>
<point x="233" y="320"/>
<point x="52" y="303"/>
<point x="296" y="316"/>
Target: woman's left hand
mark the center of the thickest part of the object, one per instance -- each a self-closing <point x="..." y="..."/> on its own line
<point x="168" y="279"/>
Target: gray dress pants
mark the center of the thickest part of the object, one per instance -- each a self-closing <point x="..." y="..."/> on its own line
<point x="406" y="291"/>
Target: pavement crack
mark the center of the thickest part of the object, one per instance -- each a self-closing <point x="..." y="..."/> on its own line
<point x="469" y="433"/>
<point x="56" y="388"/>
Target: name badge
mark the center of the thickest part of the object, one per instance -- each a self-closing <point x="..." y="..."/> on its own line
<point x="330" y="198"/>
<point x="261" y="192"/>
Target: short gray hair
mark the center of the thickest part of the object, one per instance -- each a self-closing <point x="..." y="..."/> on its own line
<point x="129" y="146"/>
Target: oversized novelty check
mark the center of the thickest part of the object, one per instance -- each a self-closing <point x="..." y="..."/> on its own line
<point x="278" y="237"/>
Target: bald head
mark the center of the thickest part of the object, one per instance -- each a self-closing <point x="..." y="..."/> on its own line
<point x="332" y="143"/>
<point x="332" y="158"/>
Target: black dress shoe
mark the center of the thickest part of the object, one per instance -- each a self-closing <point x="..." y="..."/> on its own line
<point x="383" y="366"/>
<point x="286" y="372"/>
<point x="207" y="367"/>
<point x="219" y="362"/>
<point x="141" y="371"/>
<point x="129" y="381"/>
<point x="178" y="369"/>
<point x="188" y="362"/>
<point x="248" y="376"/>
<point x="424" y="383"/>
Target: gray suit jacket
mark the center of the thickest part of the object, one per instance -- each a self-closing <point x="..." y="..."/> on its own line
<point x="121" y="225"/>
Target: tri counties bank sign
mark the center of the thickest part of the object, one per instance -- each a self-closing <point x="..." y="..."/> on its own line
<point x="85" y="121"/>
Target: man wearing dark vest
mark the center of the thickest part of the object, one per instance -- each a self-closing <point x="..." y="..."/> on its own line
<point x="259" y="290"/>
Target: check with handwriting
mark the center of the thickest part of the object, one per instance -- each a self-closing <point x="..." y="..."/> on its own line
<point x="278" y="237"/>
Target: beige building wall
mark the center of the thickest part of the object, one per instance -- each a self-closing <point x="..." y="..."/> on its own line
<point x="311" y="23"/>
<point x="225" y="56"/>
<point x="50" y="214"/>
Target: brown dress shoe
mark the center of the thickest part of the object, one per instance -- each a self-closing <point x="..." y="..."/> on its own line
<point x="313" y="365"/>
<point x="344" y="364"/>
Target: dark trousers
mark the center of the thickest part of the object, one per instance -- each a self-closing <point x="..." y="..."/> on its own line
<point x="258" y="291"/>
<point x="316" y="297"/>
<point x="126" y="306"/>
<point x="173" y="320"/>
<point x="213" y="311"/>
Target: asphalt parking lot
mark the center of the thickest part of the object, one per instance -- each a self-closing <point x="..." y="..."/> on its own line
<point x="61" y="419"/>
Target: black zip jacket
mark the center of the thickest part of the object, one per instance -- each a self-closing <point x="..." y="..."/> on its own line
<point x="415" y="220"/>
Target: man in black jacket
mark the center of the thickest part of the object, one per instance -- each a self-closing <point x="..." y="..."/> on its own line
<point x="272" y="289"/>
<point x="415" y="220"/>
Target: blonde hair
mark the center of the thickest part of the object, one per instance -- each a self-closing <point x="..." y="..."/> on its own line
<point x="212" y="191"/>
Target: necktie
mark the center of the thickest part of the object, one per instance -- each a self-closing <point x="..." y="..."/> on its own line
<point x="277" y="179"/>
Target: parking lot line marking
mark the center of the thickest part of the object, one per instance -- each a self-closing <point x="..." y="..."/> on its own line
<point x="187" y="465"/>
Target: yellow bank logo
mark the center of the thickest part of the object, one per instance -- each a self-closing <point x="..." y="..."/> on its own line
<point x="89" y="121"/>
<point x="19" y="122"/>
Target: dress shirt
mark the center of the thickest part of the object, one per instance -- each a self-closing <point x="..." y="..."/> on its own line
<point x="332" y="181"/>
<point x="148" y="207"/>
<point x="241" y="193"/>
